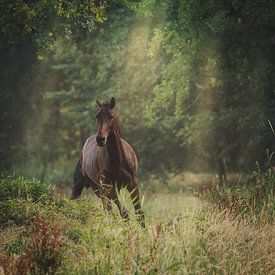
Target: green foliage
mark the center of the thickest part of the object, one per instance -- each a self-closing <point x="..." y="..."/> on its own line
<point x="18" y="212"/>
<point x="193" y="82"/>
<point x="42" y="253"/>
<point x="249" y="196"/>
<point x="214" y="81"/>
<point x="102" y="65"/>
<point x="23" y="200"/>
<point x="41" y="22"/>
<point x="29" y="31"/>
<point x="20" y="188"/>
<point x="20" y="200"/>
<point x="185" y="89"/>
<point x="182" y="235"/>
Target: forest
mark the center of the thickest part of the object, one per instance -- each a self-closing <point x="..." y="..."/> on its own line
<point x="194" y="84"/>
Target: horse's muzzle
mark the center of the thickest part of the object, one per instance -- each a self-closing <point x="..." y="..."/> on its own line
<point x="101" y="141"/>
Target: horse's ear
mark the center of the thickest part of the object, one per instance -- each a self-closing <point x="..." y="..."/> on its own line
<point x="112" y="103"/>
<point x="98" y="103"/>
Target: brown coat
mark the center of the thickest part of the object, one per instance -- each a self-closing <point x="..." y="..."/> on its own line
<point x="95" y="161"/>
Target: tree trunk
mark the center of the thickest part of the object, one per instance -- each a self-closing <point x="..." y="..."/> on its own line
<point x="222" y="171"/>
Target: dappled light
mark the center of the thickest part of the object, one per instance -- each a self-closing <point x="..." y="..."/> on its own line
<point x="137" y="137"/>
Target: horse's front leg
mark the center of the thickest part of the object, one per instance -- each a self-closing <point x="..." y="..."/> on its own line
<point x="122" y="210"/>
<point x="112" y="195"/>
<point x="79" y="182"/>
<point x="134" y="192"/>
<point x="104" y="193"/>
<point x="107" y="203"/>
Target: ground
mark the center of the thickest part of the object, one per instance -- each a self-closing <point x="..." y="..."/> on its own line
<point x="184" y="234"/>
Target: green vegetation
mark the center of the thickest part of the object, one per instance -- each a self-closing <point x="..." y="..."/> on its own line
<point x="40" y="22"/>
<point x="252" y="196"/>
<point x="193" y="81"/>
<point x="183" y="234"/>
<point x="194" y="86"/>
<point x="19" y="188"/>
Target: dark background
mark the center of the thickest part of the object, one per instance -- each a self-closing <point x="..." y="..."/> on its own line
<point x="193" y="80"/>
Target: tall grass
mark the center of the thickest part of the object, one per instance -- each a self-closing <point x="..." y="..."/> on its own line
<point x="248" y="196"/>
<point x="183" y="235"/>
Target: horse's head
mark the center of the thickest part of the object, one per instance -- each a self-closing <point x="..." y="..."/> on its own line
<point x="105" y="121"/>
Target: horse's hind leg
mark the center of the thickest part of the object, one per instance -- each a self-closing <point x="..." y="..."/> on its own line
<point x="133" y="189"/>
<point x="79" y="182"/>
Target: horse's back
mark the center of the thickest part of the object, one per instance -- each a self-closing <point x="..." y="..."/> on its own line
<point x="94" y="158"/>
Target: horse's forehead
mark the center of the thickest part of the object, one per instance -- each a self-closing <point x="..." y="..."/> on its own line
<point x="105" y="111"/>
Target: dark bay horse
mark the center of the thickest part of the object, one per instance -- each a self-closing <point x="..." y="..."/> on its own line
<point x="108" y="163"/>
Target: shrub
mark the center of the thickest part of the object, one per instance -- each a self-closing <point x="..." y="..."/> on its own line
<point x="17" y="211"/>
<point x="43" y="252"/>
<point x="21" y="188"/>
<point x="251" y="195"/>
<point x="19" y="199"/>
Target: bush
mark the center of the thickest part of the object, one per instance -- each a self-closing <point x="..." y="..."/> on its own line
<point x="17" y="211"/>
<point x="42" y="253"/>
<point x="21" y="201"/>
<point x="250" y="195"/>
<point x="21" y="188"/>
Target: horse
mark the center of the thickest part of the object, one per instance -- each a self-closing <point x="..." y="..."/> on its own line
<point x="108" y="163"/>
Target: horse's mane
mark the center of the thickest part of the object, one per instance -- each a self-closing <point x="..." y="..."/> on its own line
<point x="120" y="154"/>
<point x="117" y="126"/>
<point x="117" y="133"/>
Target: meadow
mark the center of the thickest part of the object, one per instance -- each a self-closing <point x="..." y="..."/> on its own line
<point x="192" y="86"/>
<point x="187" y="232"/>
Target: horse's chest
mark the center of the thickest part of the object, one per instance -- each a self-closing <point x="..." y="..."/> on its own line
<point x="117" y="175"/>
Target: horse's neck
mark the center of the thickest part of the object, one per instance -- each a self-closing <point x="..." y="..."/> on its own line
<point x="115" y="150"/>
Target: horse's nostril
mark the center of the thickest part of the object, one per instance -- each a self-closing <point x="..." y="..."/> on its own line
<point x="100" y="139"/>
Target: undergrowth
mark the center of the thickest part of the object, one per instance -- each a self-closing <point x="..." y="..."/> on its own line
<point x="251" y="197"/>
<point x="43" y="233"/>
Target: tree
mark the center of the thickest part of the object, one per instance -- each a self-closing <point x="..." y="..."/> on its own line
<point x="120" y="60"/>
<point x="218" y="80"/>
<point x="27" y="28"/>
<point x="40" y="22"/>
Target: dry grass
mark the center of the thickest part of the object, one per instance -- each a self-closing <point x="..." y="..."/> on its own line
<point x="183" y="235"/>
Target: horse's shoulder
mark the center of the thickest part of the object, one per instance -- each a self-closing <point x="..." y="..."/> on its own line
<point x="89" y="149"/>
<point x="89" y="158"/>
<point x="130" y="155"/>
<point x="90" y="142"/>
<point x="91" y="139"/>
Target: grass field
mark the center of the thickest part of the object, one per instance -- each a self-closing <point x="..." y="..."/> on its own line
<point x="183" y="235"/>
